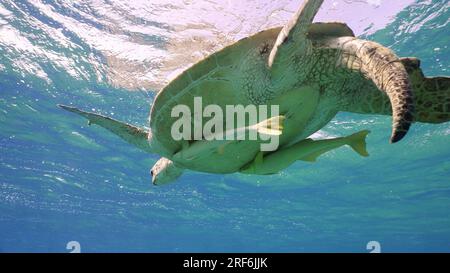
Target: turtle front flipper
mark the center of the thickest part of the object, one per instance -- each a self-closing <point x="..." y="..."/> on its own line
<point x="359" y="63"/>
<point x="312" y="52"/>
<point x="131" y="134"/>
<point x="292" y="39"/>
<point x="431" y="96"/>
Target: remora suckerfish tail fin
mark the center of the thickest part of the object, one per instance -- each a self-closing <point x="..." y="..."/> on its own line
<point x="272" y="126"/>
<point x="357" y="142"/>
<point x="131" y="134"/>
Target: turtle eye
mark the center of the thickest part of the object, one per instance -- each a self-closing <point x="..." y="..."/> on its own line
<point x="151" y="172"/>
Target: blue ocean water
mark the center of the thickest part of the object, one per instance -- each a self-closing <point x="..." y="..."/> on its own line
<point x="61" y="180"/>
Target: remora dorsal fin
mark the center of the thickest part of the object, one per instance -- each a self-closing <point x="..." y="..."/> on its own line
<point x="313" y="157"/>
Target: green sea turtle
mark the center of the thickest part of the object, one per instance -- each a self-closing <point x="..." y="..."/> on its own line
<point x="311" y="71"/>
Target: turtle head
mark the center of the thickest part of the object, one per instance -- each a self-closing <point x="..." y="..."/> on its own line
<point x="164" y="172"/>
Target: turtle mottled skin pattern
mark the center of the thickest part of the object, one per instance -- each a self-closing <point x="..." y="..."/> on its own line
<point x="431" y="101"/>
<point x="255" y="76"/>
<point x="341" y="74"/>
<point x="391" y="75"/>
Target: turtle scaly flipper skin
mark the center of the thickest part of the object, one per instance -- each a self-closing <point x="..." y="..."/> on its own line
<point x="292" y="37"/>
<point x="337" y="53"/>
<point x="431" y="96"/>
<point x="360" y="62"/>
<point x="131" y="134"/>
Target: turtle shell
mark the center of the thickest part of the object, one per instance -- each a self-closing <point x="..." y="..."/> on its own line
<point x="217" y="80"/>
<point x="213" y="79"/>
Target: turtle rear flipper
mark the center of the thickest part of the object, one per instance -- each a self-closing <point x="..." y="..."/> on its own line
<point x="431" y="95"/>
